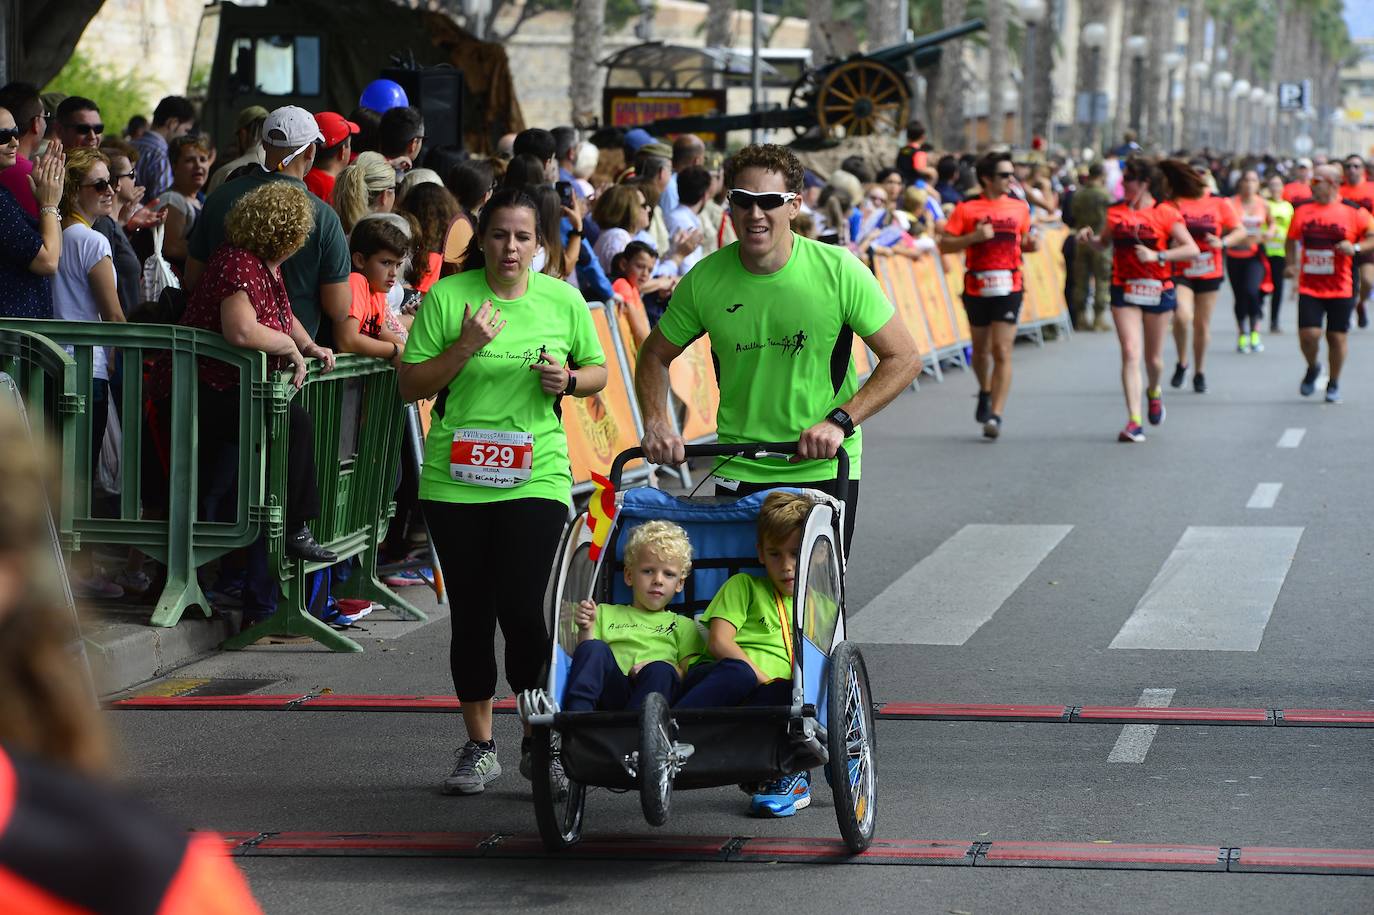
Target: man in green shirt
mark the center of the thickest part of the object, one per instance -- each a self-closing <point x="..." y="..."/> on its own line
<point x="782" y="312"/>
<point x="316" y="277"/>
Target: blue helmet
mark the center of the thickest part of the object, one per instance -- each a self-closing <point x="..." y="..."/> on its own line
<point x="381" y="95"/>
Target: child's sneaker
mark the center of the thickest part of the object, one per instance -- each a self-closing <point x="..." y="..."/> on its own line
<point x="782" y="797"/>
<point x="476" y="767"/>
<point x="408" y="578"/>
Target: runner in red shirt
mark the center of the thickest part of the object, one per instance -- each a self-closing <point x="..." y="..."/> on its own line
<point x="1359" y="190"/>
<point x="1299" y="190"/>
<point x="992" y="231"/>
<point x="1146" y="237"/>
<point x="1331" y="234"/>
<point x="1213" y="225"/>
<point x="1245" y="264"/>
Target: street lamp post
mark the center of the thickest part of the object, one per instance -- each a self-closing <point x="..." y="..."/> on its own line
<point x="1171" y="60"/>
<point x="1257" y="97"/>
<point x="1032" y="14"/>
<point x="1137" y="46"/>
<point x="1221" y="84"/>
<point x="1093" y="36"/>
<point x="1240" y="91"/>
<point x="1193" y="136"/>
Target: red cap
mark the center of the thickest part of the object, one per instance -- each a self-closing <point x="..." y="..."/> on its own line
<point x="335" y="127"/>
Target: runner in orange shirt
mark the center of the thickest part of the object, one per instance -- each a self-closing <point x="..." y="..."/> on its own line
<point x="1359" y="190"/>
<point x="1299" y="190"/>
<point x="1245" y="264"/>
<point x="1332" y="234"/>
<point x="992" y="231"/>
<point x="1147" y="233"/>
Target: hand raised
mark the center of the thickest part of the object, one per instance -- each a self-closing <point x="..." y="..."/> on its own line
<point x="481" y="328"/>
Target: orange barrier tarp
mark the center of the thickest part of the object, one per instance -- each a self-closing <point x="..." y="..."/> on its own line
<point x="894" y="275"/>
<point x="603" y="425"/>
<point x="944" y="333"/>
<point x="693" y="379"/>
<point x="954" y="282"/>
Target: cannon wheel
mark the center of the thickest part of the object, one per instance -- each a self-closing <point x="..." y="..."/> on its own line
<point x="861" y="97"/>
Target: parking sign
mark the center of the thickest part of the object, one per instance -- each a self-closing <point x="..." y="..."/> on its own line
<point x="1293" y="96"/>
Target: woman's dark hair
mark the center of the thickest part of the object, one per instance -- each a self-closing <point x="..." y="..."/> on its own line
<point x="620" y="264"/>
<point x="444" y="159"/>
<point x="433" y="208"/>
<point x="470" y="182"/>
<point x="507" y="198"/>
<point x="550" y="215"/>
<point x="1167" y="178"/>
<point x="368" y="122"/>
<point x="524" y="171"/>
<point x="376" y="234"/>
<point x="887" y="172"/>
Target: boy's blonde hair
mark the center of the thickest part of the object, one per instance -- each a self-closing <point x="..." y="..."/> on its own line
<point x="781" y="515"/>
<point x="668" y="541"/>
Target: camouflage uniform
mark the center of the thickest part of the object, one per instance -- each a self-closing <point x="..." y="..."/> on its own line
<point x="1089" y="208"/>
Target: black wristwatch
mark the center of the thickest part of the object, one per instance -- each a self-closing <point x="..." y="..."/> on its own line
<point x="571" y="387"/>
<point x="841" y="419"/>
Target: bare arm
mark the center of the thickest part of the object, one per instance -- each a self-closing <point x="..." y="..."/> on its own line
<point x="47" y="179"/>
<point x="1184" y="246"/>
<point x="335" y="298"/>
<point x="103" y="290"/>
<point x="173" y="237"/>
<point x="953" y="244"/>
<point x="722" y="645"/>
<point x="350" y="339"/>
<point x="662" y="444"/>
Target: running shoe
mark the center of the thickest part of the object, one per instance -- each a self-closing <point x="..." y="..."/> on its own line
<point x="1309" y="381"/>
<point x="1180" y="372"/>
<point x="1243" y="344"/>
<point x="407" y="578"/>
<point x="993" y="427"/>
<point x="1132" y="433"/>
<point x="476" y="767"/>
<point x="353" y="609"/>
<point x="1256" y="344"/>
<point x="1333" y="392"/>
<point x="557" y="777"/>
<point x="95" y="587"/>
<point x="984" y="407"/>
<point x="1156" y="411"/>
<point x="782" y="797"/>
<point x="1199" y="383"/>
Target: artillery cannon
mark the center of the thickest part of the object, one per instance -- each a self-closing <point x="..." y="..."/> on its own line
<point x="860" y="95"/>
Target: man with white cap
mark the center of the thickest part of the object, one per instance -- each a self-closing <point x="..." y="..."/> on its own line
<point x="1299" y="190"/>
<point x="316" y="277"/>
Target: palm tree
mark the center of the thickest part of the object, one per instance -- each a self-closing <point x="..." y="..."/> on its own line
<point x="951" y="78"/>
<point x="719" y="19"/>
<point x="997" y="69"/>
<point x="1194" y="89"/>
<point x="1041" y="76"/>
<point x="883" y="20"/>
<point x="584" y="88"/>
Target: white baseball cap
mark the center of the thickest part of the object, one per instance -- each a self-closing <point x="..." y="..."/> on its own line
<point x="290" y="127"/>
<point x="1304" y="162"/>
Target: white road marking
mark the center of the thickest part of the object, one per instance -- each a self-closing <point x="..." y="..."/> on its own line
<point x="1291" y="438"/>
<point x="946" y="597"/>
<point x="1135" y="739"/>
<point x="1215" y="592"/>
<point x="1264" y="496"/>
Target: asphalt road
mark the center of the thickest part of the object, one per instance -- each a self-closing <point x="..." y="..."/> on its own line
<point x="1043" y="550"/>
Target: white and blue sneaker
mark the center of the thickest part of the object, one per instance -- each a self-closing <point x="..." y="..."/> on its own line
<point x="782" y="797"/>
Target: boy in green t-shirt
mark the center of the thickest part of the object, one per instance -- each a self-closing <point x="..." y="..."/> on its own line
<point x="626" y="653"/>
<point x="750" y="621"/>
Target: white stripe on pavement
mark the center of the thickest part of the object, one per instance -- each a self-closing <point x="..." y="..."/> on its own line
<point x="1291" y="438"/>
<point x="1215" y="592"/>
<point x="1135" y="739"/>
<point x="1264" y="496"/>
<point x="946" y="597"/>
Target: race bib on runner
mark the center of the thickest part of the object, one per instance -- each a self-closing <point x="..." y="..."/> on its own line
<point x="1201" y="265"/>
<point x="1319" y="262"/>
<point x="993" y="283"/>
<point x="1146" y="293"/>
<point x="487" y="457"/>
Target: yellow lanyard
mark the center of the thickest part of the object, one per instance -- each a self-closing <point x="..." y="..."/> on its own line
<point x="786" y="629"/>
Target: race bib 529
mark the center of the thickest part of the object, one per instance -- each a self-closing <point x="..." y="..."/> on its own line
<point x="490" y="457"/>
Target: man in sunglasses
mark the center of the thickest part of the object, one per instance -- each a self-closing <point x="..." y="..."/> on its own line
<point x="781" y="312"/>
<point x="992" y="230"/>
<point x="1358" y="191"/>
<point x="78" y="123"/>
<point x="21" y="100"/>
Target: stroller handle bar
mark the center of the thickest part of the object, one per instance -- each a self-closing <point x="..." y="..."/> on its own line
<point x="739" y="449"/>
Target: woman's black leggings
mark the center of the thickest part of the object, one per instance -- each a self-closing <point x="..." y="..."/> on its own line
<point x="1246" y="274"/>
<point x="496" y="558"/>
<point x="1277" y="263"/>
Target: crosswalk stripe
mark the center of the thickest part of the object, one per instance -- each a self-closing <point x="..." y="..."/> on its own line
<point x="1215" y="592"/>
<point x="1265" y="495"/>
<point x="1134" y="742"/>
<point x="1292" y="438"/>
<point x="946" y="597"/>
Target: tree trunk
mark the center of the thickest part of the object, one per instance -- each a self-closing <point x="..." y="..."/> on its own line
<point x="951" y="121"/>
<point x="1194" y="89"/>
<point x="589" y="25"/>
<point x="1159" y="26"/>
<point x="997" y="70"/>
<point x="48" y="36"/>
<point x="720" y="15"/>
<point x="883" y="19"/>
<point x="818" y="21"/>
<point x="1041" y="78"/>
<point x="1091" y="69"/>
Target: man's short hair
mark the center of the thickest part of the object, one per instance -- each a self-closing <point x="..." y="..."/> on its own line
<point x="537" y="142"/>
<point x="564" y="141"/>
<point x="782" y="514"/>
<point x="174" y="106"/>
<point x="859" y="167"/>
<point x="771" y="158"/>
<point x="986" y="166"/>
<point x="686" y="148"/>
<point x="692" y="184"/>
<point x="1096" y="170"/>
<point x="397" y="128"/>
<point x="915" y="131"/>
<point x="22" y="101"/>
<point x="74" y="104"/>
<point x="947" y="169"/>
<point x="649" y="166"/>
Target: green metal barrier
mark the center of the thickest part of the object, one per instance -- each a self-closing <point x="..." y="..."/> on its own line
<point x="181" y="541"/>
<point x="359" y="423"/>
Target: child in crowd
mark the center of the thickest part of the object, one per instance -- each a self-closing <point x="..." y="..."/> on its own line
<point x="750" y="621"/>
<point x="626" y="653"/>
<point x="631" y="268"/>
<point x="378" y="247"/>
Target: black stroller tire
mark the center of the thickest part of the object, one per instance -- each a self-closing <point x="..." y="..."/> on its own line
<point x="655" y="752"/>
<point x="559" y="819"/>
<point x="851" y="745"/>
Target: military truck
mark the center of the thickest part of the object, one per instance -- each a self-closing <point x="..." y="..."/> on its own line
<point x="319" y="54"/>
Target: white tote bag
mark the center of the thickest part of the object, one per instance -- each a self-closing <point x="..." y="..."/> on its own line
<point x="157" y="273"/>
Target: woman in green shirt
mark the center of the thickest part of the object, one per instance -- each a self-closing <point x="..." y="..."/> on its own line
<point x="1280" y="215"/>
<point x="500" y="346"/>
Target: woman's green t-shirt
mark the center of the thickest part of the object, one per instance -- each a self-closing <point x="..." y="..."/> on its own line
<point x="496" y="401"/>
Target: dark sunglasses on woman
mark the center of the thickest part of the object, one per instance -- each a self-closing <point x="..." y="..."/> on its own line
<point x="746" y="199"/>
<point x="103" y="185"/>
<point x="9" y="135"/>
